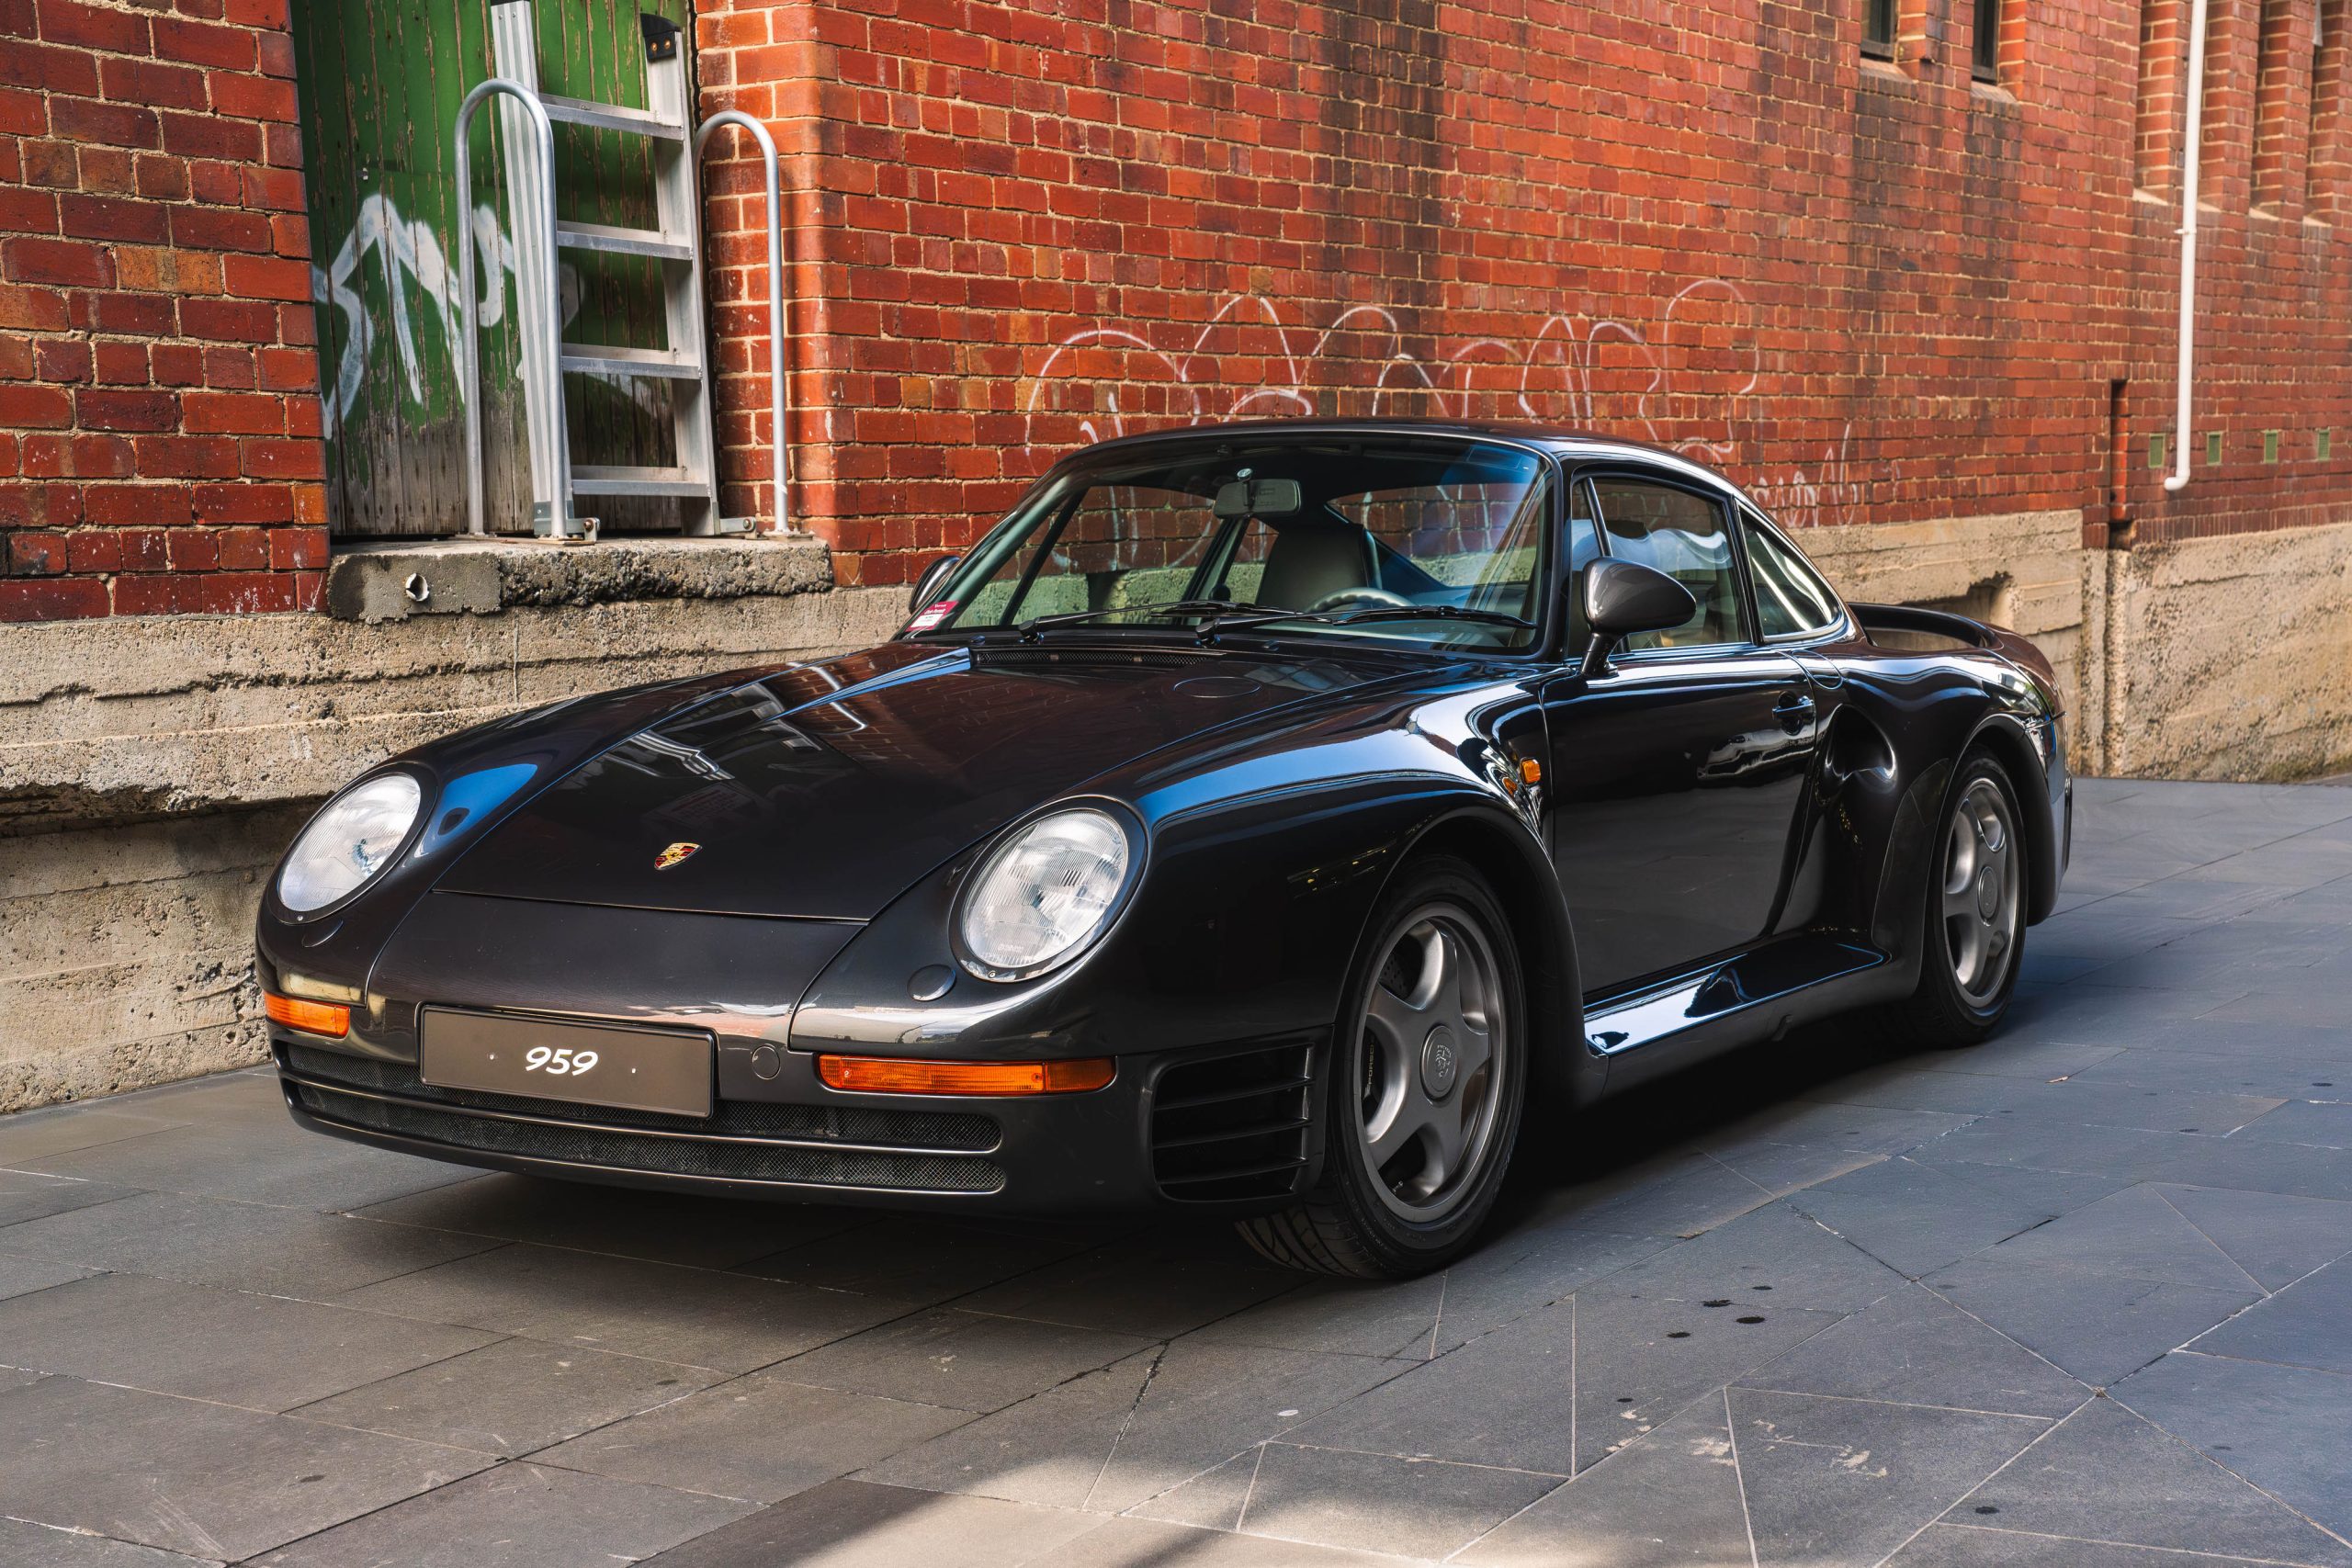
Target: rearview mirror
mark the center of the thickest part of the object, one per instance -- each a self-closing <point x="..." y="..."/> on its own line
<point x="928" y="585"/>
<point x="1266" y="499"/>
<point x="1624" y="598"/>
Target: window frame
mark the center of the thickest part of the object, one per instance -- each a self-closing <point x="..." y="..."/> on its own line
<point x="1984" y="42"/>
<point x="1873" y="46"/>
<point x="1839" y="625"/>
<point x="1745" y="639"/>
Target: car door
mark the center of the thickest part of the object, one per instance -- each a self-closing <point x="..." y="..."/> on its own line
<point x="1678" y="769"/>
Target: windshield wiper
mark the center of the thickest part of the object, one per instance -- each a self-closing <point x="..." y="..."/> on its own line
<point x="1035" y="624"/>
<point x="1433" y="613"/>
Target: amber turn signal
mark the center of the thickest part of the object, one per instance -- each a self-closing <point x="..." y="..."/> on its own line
<point x="311" y="1018"/>
<point x="889" y="1074"/>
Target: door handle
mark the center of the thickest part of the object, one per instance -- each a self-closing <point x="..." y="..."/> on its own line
<point x="1794" y="710"/>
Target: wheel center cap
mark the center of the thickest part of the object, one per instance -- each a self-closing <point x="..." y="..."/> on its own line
<point x="1988" y="893"/>
<point x="1438" y="1063"/>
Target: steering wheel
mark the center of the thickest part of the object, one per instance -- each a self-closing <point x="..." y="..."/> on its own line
<point x="1366" y="595"/>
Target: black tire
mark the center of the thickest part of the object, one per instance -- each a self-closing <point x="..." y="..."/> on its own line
<point x="1415" y="1214"/>
<point x="1946" y="1012"/>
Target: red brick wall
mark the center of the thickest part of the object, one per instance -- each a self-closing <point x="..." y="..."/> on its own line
<point x="1872" y="292"/>
<point x="159" y="419"/>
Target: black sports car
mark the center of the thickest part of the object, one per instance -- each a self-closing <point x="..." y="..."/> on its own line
<point x="1268" y="820"/>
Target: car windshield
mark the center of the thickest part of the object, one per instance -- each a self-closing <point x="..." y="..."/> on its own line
<point x="1423" y="538"/>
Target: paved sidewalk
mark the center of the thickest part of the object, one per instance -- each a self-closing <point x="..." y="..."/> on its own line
<point x="2080" y="1298"/>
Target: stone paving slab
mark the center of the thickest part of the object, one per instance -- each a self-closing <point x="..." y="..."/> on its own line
<point x="2076" y="1298"/>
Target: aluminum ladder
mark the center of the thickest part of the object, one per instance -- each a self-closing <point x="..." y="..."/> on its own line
<point x="526" y="116"/>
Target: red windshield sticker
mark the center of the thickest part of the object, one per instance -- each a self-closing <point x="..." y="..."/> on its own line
<point x="932" y="615"/>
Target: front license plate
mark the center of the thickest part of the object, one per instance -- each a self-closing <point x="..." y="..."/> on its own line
<point x="590" y="1064"/>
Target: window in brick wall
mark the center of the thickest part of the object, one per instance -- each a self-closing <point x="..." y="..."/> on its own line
<point x="2277" y="63"/>
<point x="2323" y="135"/>
<point x="2161" y="22"/>
<point x="1878" y="28"/>
<point x="1985" y="45"/>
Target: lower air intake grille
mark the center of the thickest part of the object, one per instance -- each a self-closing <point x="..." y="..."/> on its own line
<point x="1231" y="1126"/>
<point x="897" y="1151"/>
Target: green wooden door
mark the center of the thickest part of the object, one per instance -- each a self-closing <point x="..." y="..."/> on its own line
<point x="380" y="82"/>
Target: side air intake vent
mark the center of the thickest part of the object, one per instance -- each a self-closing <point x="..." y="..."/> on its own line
<point x="1233" y="1126"/>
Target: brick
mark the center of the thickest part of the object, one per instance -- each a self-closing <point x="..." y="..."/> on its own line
<point x="133" y="504"/>
<point x="59" y="599"/>
<point x="64" y="359"/>
<point x="192" y="550"/>
<point x="122" y="125"/>
<point x="185" y="456"/>
<point x="220" y="229"/>
<point x="93" y="550"/>
<point x="153" y="82"/>
<point x="297" y="547"/>
<point x="200" y="43"/>
<point x="292" y="460"/>
<point x="231" y="321"/>
<point x="254" y="504"/>
<point x="22" y="113"/>
<point x="146" y="595"/>
<point x="120" y="364"/>
<point x="232" y="413"/>
<point x="36" y="554"/>
<point x="253" y="97"/>
<point x="267" y="278"/>
<point x="57" y="261"/>
<point x="93" y="26"/>
<point x="124" y="411"/>
<point x="36" y="407"/>
<point x="289" y="370"/>
<point x="105" y="218"/>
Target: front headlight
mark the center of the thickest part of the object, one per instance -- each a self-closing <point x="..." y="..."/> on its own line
<point x="1042" y="892"/>
<point x="356" y="837"/>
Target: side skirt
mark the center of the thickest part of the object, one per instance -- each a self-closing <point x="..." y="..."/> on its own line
<point x="1753" y="996"/>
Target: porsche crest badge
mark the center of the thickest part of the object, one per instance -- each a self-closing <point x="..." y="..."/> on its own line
<point x="673" y="854"/>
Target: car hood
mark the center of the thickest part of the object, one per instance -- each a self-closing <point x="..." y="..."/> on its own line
<point x="825" y="789"/>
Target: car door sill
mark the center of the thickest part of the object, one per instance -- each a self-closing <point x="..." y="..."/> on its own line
<point x="1737" y="991"/>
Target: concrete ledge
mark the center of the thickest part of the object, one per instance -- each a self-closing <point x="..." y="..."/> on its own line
<point x="395" y="579"/>
<point x="111" y="721"/>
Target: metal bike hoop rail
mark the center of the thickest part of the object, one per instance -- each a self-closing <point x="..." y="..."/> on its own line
<point x="776" y="396"/>
<point x="557" y="451"/>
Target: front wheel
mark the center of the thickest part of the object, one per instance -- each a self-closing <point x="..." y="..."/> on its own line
<point x="1424" y="1087"/>
<point x="1975" y="917"/>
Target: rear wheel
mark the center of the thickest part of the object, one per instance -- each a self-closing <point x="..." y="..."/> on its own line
<point x="1423" y="1089"/>
<point x="1975" y="917"/>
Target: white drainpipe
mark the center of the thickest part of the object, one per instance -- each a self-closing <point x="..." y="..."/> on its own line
<point x="2194" y="140"/>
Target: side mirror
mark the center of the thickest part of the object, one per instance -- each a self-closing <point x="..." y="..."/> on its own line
<point x="927" y="586"/>
<point x="1623" y="598"/>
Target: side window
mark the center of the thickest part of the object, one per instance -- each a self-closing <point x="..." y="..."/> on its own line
<point x="1791" y="598"/>
<point x="1682" y="535"/>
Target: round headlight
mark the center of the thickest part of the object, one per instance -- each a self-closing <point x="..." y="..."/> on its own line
<point x="349" y="841"/>
<point x="1042" y="892"/>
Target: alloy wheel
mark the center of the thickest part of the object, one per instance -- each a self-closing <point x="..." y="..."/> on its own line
<point x="1981" y="901"/>
<point x="1432" y="1055"/>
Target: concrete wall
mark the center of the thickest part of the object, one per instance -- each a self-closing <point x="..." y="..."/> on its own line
<point x="152" y="769"/>
<point x="2228" y="658"/>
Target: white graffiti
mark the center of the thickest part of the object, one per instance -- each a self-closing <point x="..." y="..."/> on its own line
<point x="1683" y="384"/>
<point x="416" y="277"/>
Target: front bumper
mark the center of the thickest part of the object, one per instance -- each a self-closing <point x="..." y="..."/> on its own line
<point x="1225" y="1129"/>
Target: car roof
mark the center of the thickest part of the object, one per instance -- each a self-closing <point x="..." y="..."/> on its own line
<point x="1572" y="444"/>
